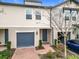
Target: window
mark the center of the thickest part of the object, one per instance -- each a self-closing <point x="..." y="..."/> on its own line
<point x="38" y="15"/>
<point x="74" y="18"/>
<point x="67" y="14"/>
<point x="66" y="17"/>
<point x="28" y="14"/>
<point x="77" y="36"/>
<point x="74" y="13"/>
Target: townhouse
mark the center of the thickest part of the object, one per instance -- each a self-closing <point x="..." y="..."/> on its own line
<point x="25" y="24"/>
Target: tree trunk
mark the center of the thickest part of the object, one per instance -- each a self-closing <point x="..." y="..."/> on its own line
<point x="65" y="49"/>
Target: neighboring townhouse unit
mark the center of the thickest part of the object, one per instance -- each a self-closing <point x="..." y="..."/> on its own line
<point x="65" y="18"/>
<point x="24" y="25"/>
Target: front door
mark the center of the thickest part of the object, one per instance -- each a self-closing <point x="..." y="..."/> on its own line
<point x="44" y="36"/>
<point x="6" y="36"/>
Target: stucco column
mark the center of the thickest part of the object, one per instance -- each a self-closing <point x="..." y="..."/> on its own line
<point x="37" y="37"/>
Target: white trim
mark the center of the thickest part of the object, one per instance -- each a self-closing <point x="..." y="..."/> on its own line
<point x="27" y="47"/>
<point x="24" y="31"/>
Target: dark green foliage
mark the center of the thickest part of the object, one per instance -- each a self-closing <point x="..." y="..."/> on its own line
<point x="49" y="55"/>
<point x="8" y="45"/>
<point x="5" y="54"/>
<point x="40" y="44"/>
<point x="55" y="42"/>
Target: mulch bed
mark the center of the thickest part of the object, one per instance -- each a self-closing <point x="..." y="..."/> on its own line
<point x="37" y="48"/>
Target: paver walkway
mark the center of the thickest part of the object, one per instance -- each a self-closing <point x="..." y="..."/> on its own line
<point x="25" y="53"/>
<point x="2" y="48"/>
<point x="46" y="49"/>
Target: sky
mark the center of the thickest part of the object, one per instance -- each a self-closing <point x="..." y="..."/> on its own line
<point x="51" y="2"/>
<point x="44" y="2"/>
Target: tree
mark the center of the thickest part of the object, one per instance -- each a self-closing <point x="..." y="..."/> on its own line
<point x="62" y="24"/>
<point x="56" y="16"/>
<point x="59" y="22"/>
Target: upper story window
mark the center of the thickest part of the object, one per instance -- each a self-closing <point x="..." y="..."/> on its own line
<point x="38" y="15"/>
<point x="70" y="14"/>
<point x="28" y="14"/>
<point x="67" y="14"/>
<point x="74" y="13"/>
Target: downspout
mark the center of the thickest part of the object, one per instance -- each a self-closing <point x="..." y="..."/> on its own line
<point x="50" y="17"/>
<point x="51" y="27"/>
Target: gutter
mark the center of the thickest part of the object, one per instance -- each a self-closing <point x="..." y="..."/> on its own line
<point x="50" y="17"/>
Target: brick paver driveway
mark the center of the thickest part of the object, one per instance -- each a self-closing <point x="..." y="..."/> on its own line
<point x="25" y="53"/>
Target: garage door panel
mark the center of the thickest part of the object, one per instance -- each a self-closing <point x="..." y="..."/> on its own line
<point x="25" y="39"/>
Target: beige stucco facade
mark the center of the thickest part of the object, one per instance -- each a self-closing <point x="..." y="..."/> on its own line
<point x="14" y="19"/>
<point x="13" y="35"/>
<point x="15" y="16"/>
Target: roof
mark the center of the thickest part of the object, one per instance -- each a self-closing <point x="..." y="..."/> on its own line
<point x="22" y="5"/>
<point x="65" y="2"/>
<point x="35" y="1"/>
<point x="36" y="6"/>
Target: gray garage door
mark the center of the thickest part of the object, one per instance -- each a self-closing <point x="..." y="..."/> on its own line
<point x="25" y="39"/>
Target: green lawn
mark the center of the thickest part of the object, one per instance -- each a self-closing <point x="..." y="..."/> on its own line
<point x="6" y="54"/>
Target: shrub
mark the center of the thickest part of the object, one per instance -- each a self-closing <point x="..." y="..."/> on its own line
<point x="58" y="53"/>
<point x="40" y="44"/>
<point x="8" y="45"/>
<point x="73" y="57"/>
<point x="49" y="55"/>
<point x="56" y="42"/>
<point x="5" y="54"/>
<point x="60" y="47"/>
